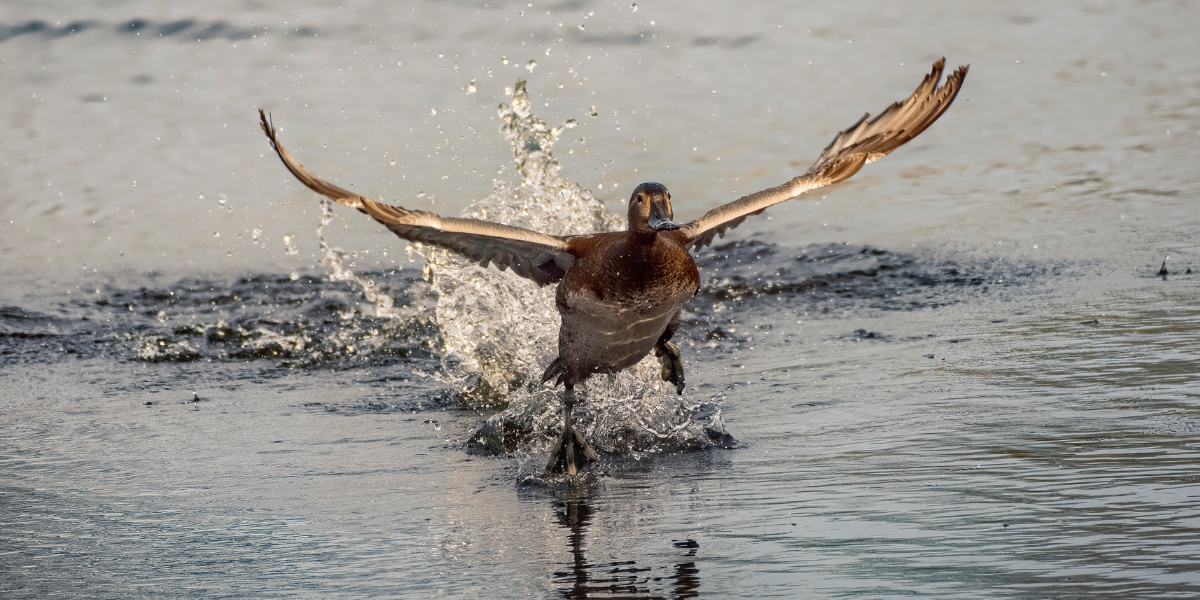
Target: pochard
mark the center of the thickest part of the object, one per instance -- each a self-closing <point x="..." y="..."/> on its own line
<point x="621" y="294"/>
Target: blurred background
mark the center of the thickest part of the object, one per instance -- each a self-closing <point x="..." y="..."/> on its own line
<point x="129" y="122"/>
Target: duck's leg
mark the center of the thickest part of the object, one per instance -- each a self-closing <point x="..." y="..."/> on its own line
<point x="668" y="354"/>
<point x="572" y="453"/>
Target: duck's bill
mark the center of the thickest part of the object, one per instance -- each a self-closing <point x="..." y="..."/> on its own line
<point x="659" y="224"/>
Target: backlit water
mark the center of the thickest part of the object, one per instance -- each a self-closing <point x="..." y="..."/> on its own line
<point x="959" y="374"/>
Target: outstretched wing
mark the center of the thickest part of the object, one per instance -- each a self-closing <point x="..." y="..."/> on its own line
<point x="537" y="256"/>
<point x="863" y="142"/>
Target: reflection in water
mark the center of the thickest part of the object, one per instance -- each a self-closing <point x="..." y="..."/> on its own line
<point x="617" y="579"/>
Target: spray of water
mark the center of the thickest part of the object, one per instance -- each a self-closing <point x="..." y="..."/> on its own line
<point x="500" y="331"/>
<point x="341" y="269"/>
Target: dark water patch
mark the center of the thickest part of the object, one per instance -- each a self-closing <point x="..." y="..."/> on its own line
<point x="17" y="321"/>
<point x="192" y="29"/>
<point x="133" y="26"/>
<point x="395" y="395"/>
<point x="749" y="286"/>
<point x="277" y="322"/>
<point x="290" y="323"/>
<point x="863" y="334"/>
<point x="632" y="38"/>
<point x="822" y="278"/>
<point x="175" y="27"/>
<point x="43" y="29"/>
<point x="1150" y="192"/>
<point x="737" y="42"/>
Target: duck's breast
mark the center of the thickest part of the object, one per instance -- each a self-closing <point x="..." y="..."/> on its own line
<point x="616" y="302"/>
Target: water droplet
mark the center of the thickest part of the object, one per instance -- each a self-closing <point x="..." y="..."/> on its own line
<point x="201" y="196"/>
<point x="547" y="52"/>
<point x="221" y="199"/>
<point x="433" y="111"/>
<point x="256" y="233"/>
<point x="633" y="7"/>
<point x="162" y="316"/>
<point x="560" y="86"/>
<point x="581" y="26"/>
<point x="531" y="65"/>
<point x="289" y="249"/>
<point x="216" y="234"/>
<point x="504" y="60"/>
<point x="294" y="276"/>
<point x="593" y="112"/>
<point x="392" y="163"/>
<point x="421" y="194"/>
<point x="471" y="87"/>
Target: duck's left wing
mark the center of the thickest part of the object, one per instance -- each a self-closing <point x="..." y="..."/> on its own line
<point x="537" y="256"/>
<point x="863" y="142"/>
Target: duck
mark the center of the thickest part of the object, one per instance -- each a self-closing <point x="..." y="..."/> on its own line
<point x="621" y="294"/>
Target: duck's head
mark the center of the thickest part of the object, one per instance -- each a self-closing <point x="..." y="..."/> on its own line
<point x="650" y="209"/>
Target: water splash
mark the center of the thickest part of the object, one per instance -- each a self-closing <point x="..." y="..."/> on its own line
<point x="500" y="331"/>
<point x="334" y="259"/>
<point x="287" y="322"/>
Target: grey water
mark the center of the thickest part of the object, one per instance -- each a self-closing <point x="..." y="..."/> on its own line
<point x="970" y="371"/>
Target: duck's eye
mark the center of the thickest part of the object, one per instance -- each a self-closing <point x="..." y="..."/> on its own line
<point x="668" y="196"/>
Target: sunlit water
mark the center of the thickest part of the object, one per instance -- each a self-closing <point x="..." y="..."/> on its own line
<point x="959" y="374"/>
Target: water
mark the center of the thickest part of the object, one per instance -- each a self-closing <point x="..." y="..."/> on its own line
<point x="957" y="375"/>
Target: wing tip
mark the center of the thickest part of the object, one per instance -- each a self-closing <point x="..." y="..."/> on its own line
<point x="268" y="126"/>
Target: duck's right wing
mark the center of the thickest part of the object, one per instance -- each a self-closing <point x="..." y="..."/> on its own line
<point x="536" y="256"/>
<point x="863" y="142"/>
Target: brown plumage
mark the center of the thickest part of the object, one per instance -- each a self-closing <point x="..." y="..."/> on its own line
<point x="621" y="294"/>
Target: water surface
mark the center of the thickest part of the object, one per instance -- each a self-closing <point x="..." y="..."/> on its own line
<point x="959" y="374"/>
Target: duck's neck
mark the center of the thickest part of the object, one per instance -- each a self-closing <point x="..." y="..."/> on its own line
<point x="643" y="237"/>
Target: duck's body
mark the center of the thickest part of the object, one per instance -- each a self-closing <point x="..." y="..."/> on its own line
<point x="620" y="294"/>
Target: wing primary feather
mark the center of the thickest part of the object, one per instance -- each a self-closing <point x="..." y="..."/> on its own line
<point x="528" y="253"/>
<point x="865" y="141"/>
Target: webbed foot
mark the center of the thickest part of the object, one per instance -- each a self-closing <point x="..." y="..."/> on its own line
<point x="572" y="454"/>
<point x="672" y="365"/>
